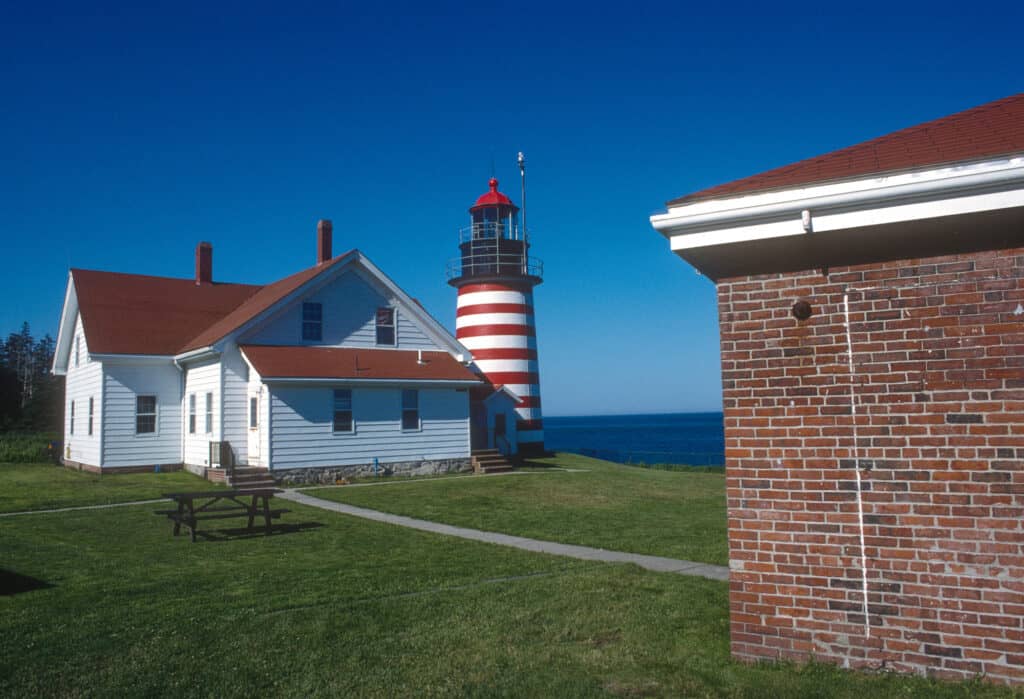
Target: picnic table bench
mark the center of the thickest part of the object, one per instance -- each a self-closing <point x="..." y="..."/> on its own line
<point x="221" y="504"/>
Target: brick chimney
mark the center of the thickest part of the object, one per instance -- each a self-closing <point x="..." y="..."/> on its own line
<point x="323" y="241"/>
<point x="204" y="263"/>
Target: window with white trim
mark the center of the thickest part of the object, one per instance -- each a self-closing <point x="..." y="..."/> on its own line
<point x="192" y="413"/>
<point x="71" y="425"/>
<point x="410" y="409"/>
<point x="77" y="343"/>
<point x="343" y="421"/>
<point x="209" y="413"/>
<point x="385" y="323"/>
<point x="312" y="322"/>
<point x="90" y="415"/>
<point x="254" y="412"/>
<point x="145" y="414"/>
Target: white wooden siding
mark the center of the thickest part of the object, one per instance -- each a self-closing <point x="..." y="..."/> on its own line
<point x="83" y="382"/>
<point x="122" y="383"/>
<point x="235" y="403"/>
<point x="201" y="378"/>
<point x="302" y="430"/>
<point x="350" y="303"/>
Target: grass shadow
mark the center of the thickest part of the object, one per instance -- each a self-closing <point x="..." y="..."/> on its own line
<point x="12" y="583"/>
<point x="242" y="533"/>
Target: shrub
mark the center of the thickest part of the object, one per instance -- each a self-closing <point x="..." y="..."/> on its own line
<point x="26" y="447"/>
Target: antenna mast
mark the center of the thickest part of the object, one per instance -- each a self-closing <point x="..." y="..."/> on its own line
<point x="522" y="177"/>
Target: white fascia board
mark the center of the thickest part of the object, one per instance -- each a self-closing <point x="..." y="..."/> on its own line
<point x="952" y="190"/>
<point x="327" y="381"/>
<point x="68" y="314"/>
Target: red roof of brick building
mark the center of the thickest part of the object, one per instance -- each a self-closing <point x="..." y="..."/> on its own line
<point x="990" y="130"/>
<point x="290" y="362"/>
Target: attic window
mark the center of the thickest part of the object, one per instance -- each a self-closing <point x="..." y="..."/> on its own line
<point x="77" y="338"/>
<point x="386" y="326"/>
<point x="312" y="322"/>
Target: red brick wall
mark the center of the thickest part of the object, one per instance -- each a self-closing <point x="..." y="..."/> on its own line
<point x="937" y="431"/>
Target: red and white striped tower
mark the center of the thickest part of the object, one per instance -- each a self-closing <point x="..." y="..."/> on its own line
<point x="494" y="319"/>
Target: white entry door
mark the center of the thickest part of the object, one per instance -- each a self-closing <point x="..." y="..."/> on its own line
<point x="255" y="429"/>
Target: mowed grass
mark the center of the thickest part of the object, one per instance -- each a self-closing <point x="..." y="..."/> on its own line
<point x="44" y="486"/>
<point x="610" y="506"/>
<point x="336" y="606"/>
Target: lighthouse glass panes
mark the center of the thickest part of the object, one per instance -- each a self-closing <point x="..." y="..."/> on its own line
<point x="386" y="326"/>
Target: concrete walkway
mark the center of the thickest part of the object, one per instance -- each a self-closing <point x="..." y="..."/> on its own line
<point x="82" y="507"/>
<point x="655" y="563"/>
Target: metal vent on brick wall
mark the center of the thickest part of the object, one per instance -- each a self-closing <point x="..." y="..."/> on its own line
<point x="221" y="455"/>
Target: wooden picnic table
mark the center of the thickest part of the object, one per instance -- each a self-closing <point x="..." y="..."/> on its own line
<point x="221" y="504"/>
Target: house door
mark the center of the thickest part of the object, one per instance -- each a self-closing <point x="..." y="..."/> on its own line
<point x="500" y="438"/>
<point x="255" y="430"/>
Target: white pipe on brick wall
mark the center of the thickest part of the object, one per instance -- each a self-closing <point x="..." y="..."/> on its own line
<point x="856" y="463"/>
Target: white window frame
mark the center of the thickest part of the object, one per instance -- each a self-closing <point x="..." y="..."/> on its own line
<point x="71" y="423"/>
<point x="319" y="322"/>
<point x="254" y="413"/>
<point x="419" y="416"/>
<point x="77" y="350"/>
<point x="155" y="414"/>
<point x="394" y="327"/>
<point x="351" y="411"/>
<point x="208" y="417"/>
<point x="191" y="413"/>
<point x="91" y="405"/>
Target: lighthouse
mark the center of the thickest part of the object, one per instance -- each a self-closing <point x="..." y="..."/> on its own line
<point x="495" y="277"/>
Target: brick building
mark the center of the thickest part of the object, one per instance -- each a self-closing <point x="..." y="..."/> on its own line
<point x="871" y="308"/>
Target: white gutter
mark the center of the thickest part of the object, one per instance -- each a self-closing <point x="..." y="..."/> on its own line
<point x="372" y="382"/>
<point x="201" y="353"/>
<point x="982" y="186"/>
<point x="108" y="356"/>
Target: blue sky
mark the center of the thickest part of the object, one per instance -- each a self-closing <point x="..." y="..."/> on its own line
<point x="130" y="133"/>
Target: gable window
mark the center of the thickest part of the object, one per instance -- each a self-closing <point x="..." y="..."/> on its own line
<point x="77" y="343"/>
<point x="312" y="322"/>
<point x="254" y="412"/>
<point x="71" y="427"/>
<point x="385" y="325"/>
<point x="209" y="413"/>
<point x="90" y="415"/>
<point x="192" y="413"/>
<point x="145" y="414"/>
<point x="343" y="410"/>
<point x="410" y="409"/>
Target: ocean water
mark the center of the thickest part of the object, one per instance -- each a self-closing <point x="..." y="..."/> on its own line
<point x="695" y="439"/>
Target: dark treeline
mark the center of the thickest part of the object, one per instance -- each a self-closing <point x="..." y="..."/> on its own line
<point x="30" y="396"/>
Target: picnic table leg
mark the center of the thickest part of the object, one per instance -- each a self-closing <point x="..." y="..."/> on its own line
<point x="266" y="511"/>
<point x="252" y="512"/>
<point x="192" y="520"/>
<point x="177" y="522"/>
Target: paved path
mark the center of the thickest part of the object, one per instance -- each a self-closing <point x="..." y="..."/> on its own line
<point x="82" y="507"/>
<point x="656" y="563"/>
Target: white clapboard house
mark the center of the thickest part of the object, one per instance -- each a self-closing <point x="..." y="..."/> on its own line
<point x="332" y="368"/>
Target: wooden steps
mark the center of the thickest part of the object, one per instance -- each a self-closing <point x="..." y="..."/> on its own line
<point x="490" y="461"/>
<point x="250" y="477"/>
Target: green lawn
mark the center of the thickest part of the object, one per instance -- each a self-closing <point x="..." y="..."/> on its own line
<point x="46" y="487"/>
<point x="622" y="508"/>
<point x="344" y="607"/>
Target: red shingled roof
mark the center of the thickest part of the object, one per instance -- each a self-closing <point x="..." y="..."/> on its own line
<point x="275" y="361"/>
<point x="139" y="314"/>
<point x="993" y="129"/>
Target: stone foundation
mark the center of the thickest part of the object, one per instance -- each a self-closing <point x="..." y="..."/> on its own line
<point x="328" y="475"/>
<point x="106" y="470"/>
